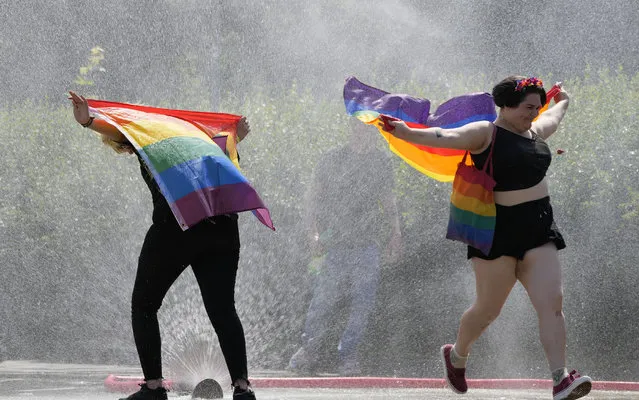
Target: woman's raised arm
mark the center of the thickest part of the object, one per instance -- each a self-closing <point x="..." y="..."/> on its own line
<point x="82" y="116"/>
<point x="548" y="122"/>
<point x="473" y="137"/>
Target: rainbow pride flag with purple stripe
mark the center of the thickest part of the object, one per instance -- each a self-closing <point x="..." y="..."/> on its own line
<point x="192" y="157"/>
<point x="368" y="104"/>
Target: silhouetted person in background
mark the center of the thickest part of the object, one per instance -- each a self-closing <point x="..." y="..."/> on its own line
<point x="353" y="221"/>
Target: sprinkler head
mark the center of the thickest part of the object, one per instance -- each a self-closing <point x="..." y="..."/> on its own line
<point x="208" y="389"/>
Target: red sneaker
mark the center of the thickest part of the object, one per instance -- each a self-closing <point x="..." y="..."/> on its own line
<point x="455" y="377"/>
<point x="572" y="387"/>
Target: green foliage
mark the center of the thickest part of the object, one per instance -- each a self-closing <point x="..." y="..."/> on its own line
<point x="68" y="215"/>
<point x="93" y="67"/>
<point x="599" y="136"/>
<point x="288" y="136"/>
<point x="74" y="208"/>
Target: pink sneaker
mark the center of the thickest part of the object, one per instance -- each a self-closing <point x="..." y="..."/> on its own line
<point x="455" y="377"/>
<point x="572" y="387"/>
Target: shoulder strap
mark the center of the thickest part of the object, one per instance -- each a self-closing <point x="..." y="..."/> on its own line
<point x="488" y="166"/>
<point x="463" y="161"/>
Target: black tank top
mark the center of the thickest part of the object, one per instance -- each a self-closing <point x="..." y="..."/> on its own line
<point x="518" y="162"/>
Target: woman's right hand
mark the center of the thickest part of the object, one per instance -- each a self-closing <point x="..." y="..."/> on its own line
<point x="80" y="108"/>
<point x="243" y="129"/>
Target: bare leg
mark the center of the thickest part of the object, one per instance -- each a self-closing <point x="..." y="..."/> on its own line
<point x="494" y="279"/>
<point x="540" y="273"/>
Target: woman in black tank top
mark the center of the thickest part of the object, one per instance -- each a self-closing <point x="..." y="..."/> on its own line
<point x="526" y="240"/>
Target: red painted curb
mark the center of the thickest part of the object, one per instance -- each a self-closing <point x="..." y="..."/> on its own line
<point x="348" y="383"/>
<point x="425" y="383"/>
<point x="129" y="383"/>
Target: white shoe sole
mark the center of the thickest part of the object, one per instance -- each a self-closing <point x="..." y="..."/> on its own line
<point x="579" y="388"/>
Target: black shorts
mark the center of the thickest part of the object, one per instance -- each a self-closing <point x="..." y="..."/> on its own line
<point x="520" y="228"/>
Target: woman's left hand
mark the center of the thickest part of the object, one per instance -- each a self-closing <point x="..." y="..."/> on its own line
<point x="562" y="95"/>
<point x="243" y="129"/>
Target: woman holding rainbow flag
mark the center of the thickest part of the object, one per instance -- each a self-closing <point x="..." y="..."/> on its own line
<point x="188" y="160"/>
<point x="523" y="241"/>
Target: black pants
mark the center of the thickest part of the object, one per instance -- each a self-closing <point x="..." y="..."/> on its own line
<point x="212" y="249"/>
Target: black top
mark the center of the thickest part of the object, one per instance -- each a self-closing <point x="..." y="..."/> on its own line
<point x="350" y="188"/>
<point x="161" y="210"/>
<point x="518" y="162"/>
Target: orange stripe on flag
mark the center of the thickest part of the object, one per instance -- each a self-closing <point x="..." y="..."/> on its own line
<point x="473" y="205"/>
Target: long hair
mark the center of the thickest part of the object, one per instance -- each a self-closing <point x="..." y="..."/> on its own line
<point x="118" y="147"/>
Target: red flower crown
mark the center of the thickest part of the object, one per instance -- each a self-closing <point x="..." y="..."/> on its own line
<point x="532" y="81"/>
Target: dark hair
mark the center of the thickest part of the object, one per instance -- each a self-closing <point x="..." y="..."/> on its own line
<point x="505" y="95"/>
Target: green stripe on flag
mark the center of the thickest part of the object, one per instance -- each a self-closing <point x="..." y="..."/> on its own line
<point x="177" y="150"/>
<point x="471" y="219"/>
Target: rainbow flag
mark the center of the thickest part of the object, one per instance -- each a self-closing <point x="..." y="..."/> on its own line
<point x="370" y="105"/>
<point x="192" y="157"/>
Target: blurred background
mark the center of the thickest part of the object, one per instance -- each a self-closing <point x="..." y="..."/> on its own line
<point x="73" y="214"/>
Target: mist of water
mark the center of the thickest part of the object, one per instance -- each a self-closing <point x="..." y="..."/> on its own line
<point x="66" y="284"/>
